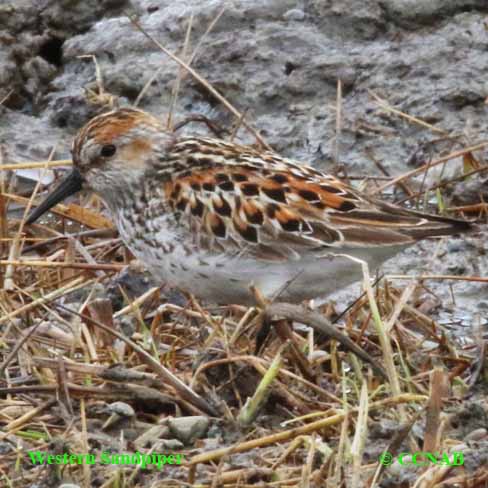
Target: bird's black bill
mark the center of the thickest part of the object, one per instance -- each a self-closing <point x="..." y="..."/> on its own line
<point x="69" y="186"/>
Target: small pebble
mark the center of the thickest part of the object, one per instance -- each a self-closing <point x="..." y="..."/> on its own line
<point x="5" y="447"/>
<point x="476" y="434"/>
<point x="294" y="14"/>
<point x="454" y="246"/>
<point x="122" y="409"/>
<point x="171" y="444"/>
<point x="186" y="429"/>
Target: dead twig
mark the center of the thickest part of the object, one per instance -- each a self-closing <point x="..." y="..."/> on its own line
<point x="321" y="324"/>
<point x="186" y="392"/>
<point x="201" y="80"/>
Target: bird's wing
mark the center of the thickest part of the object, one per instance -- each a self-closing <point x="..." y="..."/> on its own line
<point x="238" y="199"/>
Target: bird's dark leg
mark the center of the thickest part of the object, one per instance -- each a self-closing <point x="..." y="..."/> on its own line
<point x="284" y="330"/>
<point x="264" y="329"/>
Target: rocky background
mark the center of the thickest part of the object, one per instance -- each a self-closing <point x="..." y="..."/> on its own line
<point x="278" y="61"/>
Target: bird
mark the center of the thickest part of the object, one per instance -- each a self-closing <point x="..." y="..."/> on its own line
<point x="213" y="217"/>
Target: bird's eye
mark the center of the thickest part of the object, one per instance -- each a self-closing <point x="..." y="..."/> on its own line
<point x="108" y="150"/>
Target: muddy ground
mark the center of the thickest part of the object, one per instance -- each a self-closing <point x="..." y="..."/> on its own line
<point x="279" y="61"/>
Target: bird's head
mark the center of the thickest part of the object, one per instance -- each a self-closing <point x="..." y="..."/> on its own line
<point x="111" y="153"/>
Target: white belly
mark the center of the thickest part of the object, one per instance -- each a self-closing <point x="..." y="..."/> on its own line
<point x="220" y="278"/>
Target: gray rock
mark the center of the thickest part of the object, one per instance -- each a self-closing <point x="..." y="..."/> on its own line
<point x="5" y="448"/>
<point x="294" y="14"/>
<point x="187" y="429"/>
<point x="477" y="435"/>
<point x="172" y="444"/>
<point x="121" y="408"/>
<point x="419" y="11"/>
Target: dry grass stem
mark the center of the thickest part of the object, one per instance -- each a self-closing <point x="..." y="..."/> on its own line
<point x="253" y="404"/>
<point x="386" y="106"/>
<point x="201" y="80"/>
<point x="436" y="162"/>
